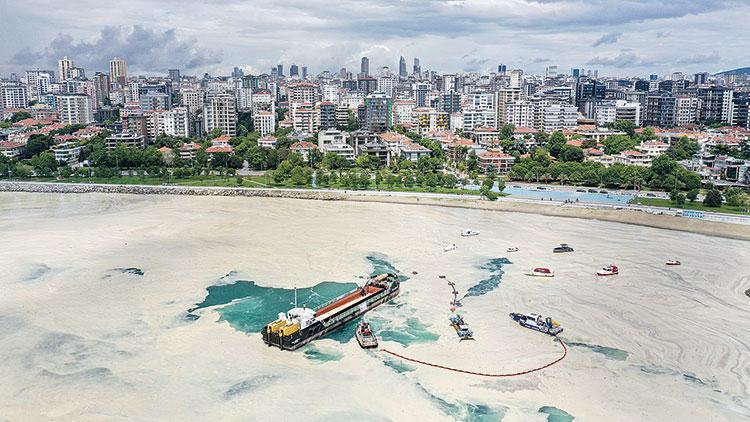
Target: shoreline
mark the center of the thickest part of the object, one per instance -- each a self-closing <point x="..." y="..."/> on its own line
<point x="631" y="215"/>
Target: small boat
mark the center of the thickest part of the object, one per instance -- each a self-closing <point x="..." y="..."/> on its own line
<point x="608" y="270"/>
<point x="564" y="247"/>
<point x="451" y="247"/>
<point x="593" y="191"/>
<point x="541" y="272"/>
<point x="537" y="322"/>
<point x="365" y="336"/>
<point x="673" y="262"/>
<point x="462" y="329"/>
<point x="603" y="191"/>
<point x="469" y="233"/>
<point x="513" y="249"/>
<point x="541" y="188"/>
<point x="581" y="190"/>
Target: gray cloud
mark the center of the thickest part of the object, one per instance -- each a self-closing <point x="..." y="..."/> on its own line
<point x="622" y="60"/>
<point x="609" y="38"/>
<point x="541" y="60"/>
<point x="699" y="59"/>
<point x="145" y="50"/>
<point x="663" y="34"/>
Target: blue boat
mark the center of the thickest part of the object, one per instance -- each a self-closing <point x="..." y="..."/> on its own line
<point x="538" y="323"/>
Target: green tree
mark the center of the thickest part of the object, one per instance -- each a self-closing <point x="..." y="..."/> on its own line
<point x="713" y="198"/>
<point x="624" y="126"/>
<point x="507" y="131"/>
<point x="618" y="143"/>
<point x="44" y="164"/>
<point x="571" y="153"/>
<point x="692" y="195"/>
<point x="556" y="143"/>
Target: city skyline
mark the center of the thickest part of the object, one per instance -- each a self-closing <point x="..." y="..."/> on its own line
<point x="637" y="39"/>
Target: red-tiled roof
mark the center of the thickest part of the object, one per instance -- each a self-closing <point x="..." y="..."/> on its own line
<point x="10" y="145"/>
<point x="494" y="154"/>
<point x="303" y="145"/>
<point x="215" y="149"/>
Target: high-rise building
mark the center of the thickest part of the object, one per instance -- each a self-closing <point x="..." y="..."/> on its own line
<point x="264" y="122"/>
<point x="63" y="68"/>
<point x="700" y="78"/>
<point x="174" y="75"/>
<point x="302" y="93"/>
<point x="38" y="83"/>
<point x="74" y="109"/>
<point x="304" y="72"/>
<point x="378" y="113"/>
<point x="279" y="70"/>
<point x="516" y="78"/>
<point x="237" y="72"/>
<point x="118" y="71"/>
<point x="716" y="104"/>
<point x="101" y="87"/>
<point x="417" y="69"/>
<point x="365" y="67"/>
<point x="402" y="67"/>
<point x="293" y="70"/>
<point x="660" y="110"/>
<point x="502" y="69"/>
<point x="420" y="93"/>
<point x="220" y="112"/>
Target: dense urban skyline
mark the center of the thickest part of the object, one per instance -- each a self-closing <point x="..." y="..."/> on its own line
<point x="618" y="38"/>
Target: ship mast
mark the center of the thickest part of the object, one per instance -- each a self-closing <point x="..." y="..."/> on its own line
<point x="295" y="296"/>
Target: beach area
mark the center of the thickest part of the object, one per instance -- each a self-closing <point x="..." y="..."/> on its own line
<point x="146" y="307"/>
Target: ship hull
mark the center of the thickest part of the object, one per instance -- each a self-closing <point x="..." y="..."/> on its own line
<point x="330" y="324"/>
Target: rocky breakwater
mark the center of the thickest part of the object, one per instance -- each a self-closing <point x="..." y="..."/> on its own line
<point x="37" y="187"/>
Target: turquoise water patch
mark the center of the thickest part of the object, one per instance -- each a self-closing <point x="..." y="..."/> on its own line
<point x="380" y="265"/>
<point x="313" y="352"/>
<point x="495" y="268"/>
<point x="411" y="331"/>
<point x="461" y="411"/>
<point x="608" y="352"/>
<point x="686" y="376"/>
<point x="556" y="415"/>
<point x="253" y="306"/>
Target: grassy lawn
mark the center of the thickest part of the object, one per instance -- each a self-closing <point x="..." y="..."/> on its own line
<point x="697" y="205"/>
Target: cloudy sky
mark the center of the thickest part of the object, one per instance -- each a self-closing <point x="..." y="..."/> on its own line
<point x="617" y="37"/>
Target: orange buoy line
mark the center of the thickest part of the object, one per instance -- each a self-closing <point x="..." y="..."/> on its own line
<point x="482" y="374"/>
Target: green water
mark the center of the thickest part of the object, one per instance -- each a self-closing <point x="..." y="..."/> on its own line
<point x="251" y="306"/>
<point x="495" y="268"/>
<point x="314" y="352"/>
<point x="608" y="352"/>
<point x="556" y="415"/>
<point x="398" y="365"/>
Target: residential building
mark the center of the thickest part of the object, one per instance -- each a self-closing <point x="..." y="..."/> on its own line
<point x="653" y="149"/>
<point x="64" y="66"/>
<point x="126" y="139"/>
<point x="686" y="110"/>
<point x="188" y="150"/>
<point x="264" y="122"/>
<point x="559" y="117"/>
<point x="632" y="158"/>
<point x="68" y="152"/>
<point x="118" y="72"/>
<point x="378" y="150"/>
<point x="715" y="104"/>
<point x="660" y="110"/>
<point x="13" y="95"/>
<point x="267" y="142"/>
<point x="497" y="160"/>
<point x="220" y="112"/>
<point x="11" y="149"/>
<point x="378" y="113"/>
<point x="74" y="109"/>
<point x="413" y="152"/>
<point x="305" y="118"/>
<point x="303" y="148"/>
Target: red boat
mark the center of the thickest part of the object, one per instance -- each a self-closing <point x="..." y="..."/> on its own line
<point x="608" y="270"/>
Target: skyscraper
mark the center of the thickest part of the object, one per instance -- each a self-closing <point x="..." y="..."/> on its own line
<point x="293" y="70"/>
<point x="365" y="67"/>
<point x="304" y="72"/>
<point x="174" y="75"/>
<point x="417" y="70"/>
<point x="501" y="69"/>
<point x="63" y="67"/>
<point x="279" y="70"/>
<point x="118" y="71"/>
<point x="402" y="67"/>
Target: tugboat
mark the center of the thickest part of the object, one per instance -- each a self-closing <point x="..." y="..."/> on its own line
<point x="537" y="322"/>
<point x="563" y="248"/>
<point x="608" y="270"/>
<point x="469" y="233"/>
<point x="300" y="326"/>
<point x="673" y="262"/>
<point x="365" y="336"/>
<point x="513" y="249"/>
<point x="541" y="272"/>
<point x="462" y="329"/>
<point x="451" y="247"/>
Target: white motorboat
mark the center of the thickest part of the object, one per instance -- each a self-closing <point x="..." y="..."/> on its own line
<point x="469" y="233"/>
<point x="451" y="247"/>
<point x="673" y="262"/>
<point x="608" y="270"/>
<point x="541" y="272"/>
<point x="513" y="249"/>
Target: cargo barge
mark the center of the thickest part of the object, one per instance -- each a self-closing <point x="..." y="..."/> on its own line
<point x="300" y="326"/>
